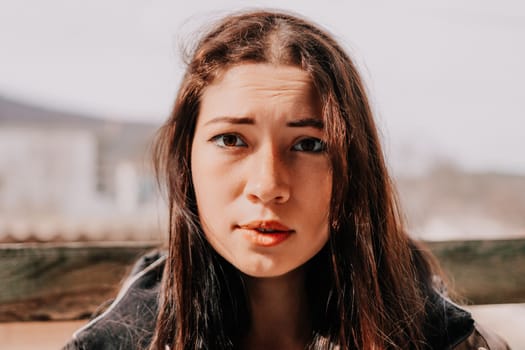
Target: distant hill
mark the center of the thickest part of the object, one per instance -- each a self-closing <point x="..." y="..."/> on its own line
<point x="19" y="113"/>
<point x="13" y="112"/>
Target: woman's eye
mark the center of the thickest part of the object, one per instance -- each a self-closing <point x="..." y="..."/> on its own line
<point x="310" y="144"/>
<point x="228" y="140"/>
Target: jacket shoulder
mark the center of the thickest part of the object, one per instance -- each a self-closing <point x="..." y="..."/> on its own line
<point x="450" y="326"/>
<point x="128" y="323"/>
<point x="482" y="339"/>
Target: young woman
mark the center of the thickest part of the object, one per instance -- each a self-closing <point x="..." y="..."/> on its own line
<point x="284" y="228"/>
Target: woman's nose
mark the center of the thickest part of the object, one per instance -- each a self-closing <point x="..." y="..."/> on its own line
<point x="268" y="178"/>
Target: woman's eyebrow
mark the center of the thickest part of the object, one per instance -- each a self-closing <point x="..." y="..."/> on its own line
<point x="306" y="122"/>
<point x="311" y="122"/>
<point x="231" y="120"/>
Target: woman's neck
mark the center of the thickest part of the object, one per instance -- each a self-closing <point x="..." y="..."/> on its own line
<point x="279" y="311"/>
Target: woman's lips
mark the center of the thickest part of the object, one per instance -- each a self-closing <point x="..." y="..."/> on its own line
<point x="266" y="233"/>
<point x="270" y="225"/>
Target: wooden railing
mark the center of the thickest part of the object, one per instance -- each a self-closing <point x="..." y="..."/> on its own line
<point x="70" y="281"/>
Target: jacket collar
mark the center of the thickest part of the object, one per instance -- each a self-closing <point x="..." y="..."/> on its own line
<point x="447" y="324"/>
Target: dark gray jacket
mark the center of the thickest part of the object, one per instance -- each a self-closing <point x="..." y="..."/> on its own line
<point x="129" y="321"/>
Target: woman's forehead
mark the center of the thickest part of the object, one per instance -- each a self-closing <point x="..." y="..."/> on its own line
<point x="262" y="76"/>
<point x="261" y="86"/>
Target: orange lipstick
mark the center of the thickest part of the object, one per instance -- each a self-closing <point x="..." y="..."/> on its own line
<point x="266" y="233"/>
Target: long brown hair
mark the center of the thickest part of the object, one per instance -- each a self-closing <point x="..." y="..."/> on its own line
<point x="367" y="286"/>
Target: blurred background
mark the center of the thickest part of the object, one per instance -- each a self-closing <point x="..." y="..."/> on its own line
<point x="85" y="85"/>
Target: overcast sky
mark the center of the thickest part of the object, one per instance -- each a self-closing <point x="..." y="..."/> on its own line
<point x="446" y="77"/>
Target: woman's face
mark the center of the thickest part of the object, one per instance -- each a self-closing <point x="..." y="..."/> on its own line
<point x="261" y="175"/>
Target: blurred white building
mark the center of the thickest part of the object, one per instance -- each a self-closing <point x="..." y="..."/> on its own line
<point x="47" y="171"/>
<point x="70" y="177"/>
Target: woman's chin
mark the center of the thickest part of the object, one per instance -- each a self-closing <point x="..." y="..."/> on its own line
<point x="267" y="269"/>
